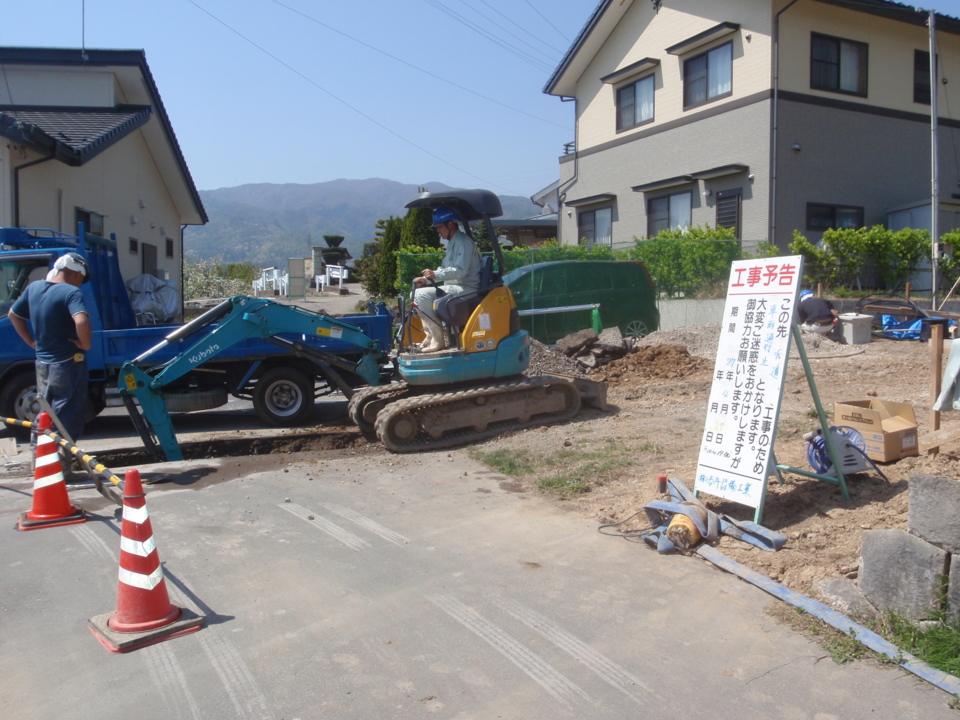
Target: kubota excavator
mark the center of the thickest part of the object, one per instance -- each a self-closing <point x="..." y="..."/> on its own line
<point x="474" y="389"/>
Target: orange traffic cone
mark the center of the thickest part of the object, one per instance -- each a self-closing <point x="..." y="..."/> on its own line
<point x="144" y="613"/>
<point x="51" y="505"/>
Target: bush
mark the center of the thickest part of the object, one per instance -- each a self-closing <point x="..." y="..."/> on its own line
<point x="843" y="254"/>
<point x="202" y="279"/>
<point x="688" y="261"/>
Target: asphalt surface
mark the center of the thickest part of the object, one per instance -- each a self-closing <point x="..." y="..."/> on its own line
<point x="359" y="584"/>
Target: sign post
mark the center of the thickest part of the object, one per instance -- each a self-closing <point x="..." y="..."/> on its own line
<point x="736" y="451"/>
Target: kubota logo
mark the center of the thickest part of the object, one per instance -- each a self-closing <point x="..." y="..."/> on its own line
<point x="203" y="355"/>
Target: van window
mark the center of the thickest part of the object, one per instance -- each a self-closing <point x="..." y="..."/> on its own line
<point x="553" y="280"/>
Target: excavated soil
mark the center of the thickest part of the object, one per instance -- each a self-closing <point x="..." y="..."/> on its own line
<point x="658" y="398"/>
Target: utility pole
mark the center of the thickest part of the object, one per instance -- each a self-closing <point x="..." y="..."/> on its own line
<point x="934" y="174"/>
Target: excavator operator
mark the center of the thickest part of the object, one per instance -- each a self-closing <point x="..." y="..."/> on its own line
<point x="459" y="270"/>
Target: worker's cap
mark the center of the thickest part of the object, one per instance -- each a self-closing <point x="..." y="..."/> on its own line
<point x="805" y="294"/>
<point x="73" y="261"/>
<point x="442" y="215"/>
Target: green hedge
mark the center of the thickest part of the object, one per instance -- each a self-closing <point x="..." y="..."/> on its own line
<point x="410" y="265"/>
<point x="696" y="260"/>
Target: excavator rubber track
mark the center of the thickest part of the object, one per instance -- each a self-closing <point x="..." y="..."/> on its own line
<point x="451" y="419"/>
<point x="367" y="402"/>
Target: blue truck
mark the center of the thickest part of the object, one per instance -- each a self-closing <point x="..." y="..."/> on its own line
<point x="282" y="374"/>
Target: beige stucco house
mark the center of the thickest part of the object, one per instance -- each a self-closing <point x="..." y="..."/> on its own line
<point x="767" y="116"/>
<point x="84" y="137"/>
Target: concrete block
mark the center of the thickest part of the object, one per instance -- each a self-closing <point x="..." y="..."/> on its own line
<point x="953" y="588"/>
<point x="573" y="343"/>
<point x="611" y="336"/>
<point x="845" y="596"/>
<point x="900" y="572"/>
<point x="934" y="510"/>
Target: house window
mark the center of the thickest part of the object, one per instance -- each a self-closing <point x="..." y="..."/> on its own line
<point x="635" y="103"/>
<point x="595" y="227"/>
<point x="134" y="246"/>
<point x="169" y="247"/>
<point x="671" y="212"/>
<point x="728" y="209"/>
<point x="838" y="65"/>
<point x="708" y="76"/>
<point x="92" y="222"/>
<point x="921" y="77"/>
<point x="828" y="217"/>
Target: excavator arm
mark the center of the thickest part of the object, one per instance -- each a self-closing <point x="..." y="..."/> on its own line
<point x="240" y="318"/>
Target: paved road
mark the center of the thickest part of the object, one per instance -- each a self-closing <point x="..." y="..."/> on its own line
<point x="367" y="585"/>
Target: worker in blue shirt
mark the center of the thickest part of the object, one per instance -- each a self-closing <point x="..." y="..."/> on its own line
<point x="61" y="334"/>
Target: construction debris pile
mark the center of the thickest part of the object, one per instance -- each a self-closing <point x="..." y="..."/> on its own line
<point x="590" y="350"/>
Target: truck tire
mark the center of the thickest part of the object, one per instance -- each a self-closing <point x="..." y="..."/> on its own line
<point x="18" y="399"/>
<point x="196" y="400"/>
<point x="283" y="396"/>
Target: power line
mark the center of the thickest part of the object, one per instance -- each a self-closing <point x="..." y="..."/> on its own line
<point x="535" y="37"/>
<point x="502" y="29"/>
<point x="341" y="101"/>
<point x="492" y="38"/>
<point x="415" y="67"/>
<point x="547" y="20"/>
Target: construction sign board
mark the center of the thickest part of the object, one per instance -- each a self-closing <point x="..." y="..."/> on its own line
<point x="744" y="403"/>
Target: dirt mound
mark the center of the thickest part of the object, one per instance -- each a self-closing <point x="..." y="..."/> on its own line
<point x="652" y="361"/>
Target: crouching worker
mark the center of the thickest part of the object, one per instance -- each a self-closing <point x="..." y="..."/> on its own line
<point x="816" y="315"/>
<point x="459" y="271"/>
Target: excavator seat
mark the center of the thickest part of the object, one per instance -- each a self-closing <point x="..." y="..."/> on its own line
<point x="455" y="310"/>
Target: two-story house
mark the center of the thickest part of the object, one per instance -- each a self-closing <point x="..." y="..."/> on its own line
<point x="764" y="116"/>
<point x="84" y="137"/>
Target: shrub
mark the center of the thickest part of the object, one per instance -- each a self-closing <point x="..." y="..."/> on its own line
<point x="684" y="262"/>
<point x="202" y="279"/>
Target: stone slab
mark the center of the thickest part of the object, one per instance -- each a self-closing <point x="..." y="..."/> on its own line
<point x="934" y="511"/>
<point x="901" y="572"/>
<point x="845" y="596"/>
<point x="953" y="588"/>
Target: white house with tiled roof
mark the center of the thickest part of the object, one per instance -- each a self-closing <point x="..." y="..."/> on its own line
<point x="84" y="137"/>
<point x="765" y="116"/>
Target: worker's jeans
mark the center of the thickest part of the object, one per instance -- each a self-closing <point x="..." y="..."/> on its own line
<point x="64" y="385"/>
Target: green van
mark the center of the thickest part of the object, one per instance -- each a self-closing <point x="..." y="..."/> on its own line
<point x="623" y="290"/>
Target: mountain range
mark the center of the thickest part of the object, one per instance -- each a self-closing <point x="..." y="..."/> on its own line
<point x="265" y="224"/>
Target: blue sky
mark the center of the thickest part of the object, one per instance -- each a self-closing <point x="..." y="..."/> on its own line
<point x="292" y="91"/>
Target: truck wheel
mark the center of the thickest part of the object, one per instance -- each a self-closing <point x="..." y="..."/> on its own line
<point x="18" y="399"/>
<point x="194" y="401"/>
<point x="283" y="396"/>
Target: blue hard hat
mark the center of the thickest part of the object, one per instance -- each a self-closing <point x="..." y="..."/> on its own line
<point x="444" y="214"/>
<point x="805" y="293"/>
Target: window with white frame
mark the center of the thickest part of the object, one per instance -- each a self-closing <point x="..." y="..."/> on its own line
<point x="708" y="76"/>
<point x="838" y="65"/>
<point x="595" y="227"/>
<point x="669" y="212"/>
<point x="635" y="103"/>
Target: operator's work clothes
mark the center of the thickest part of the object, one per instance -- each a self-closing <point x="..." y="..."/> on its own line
<point x="815" y="315"/>
<point x="61" y="365"/>
<point x="459" y="270"/>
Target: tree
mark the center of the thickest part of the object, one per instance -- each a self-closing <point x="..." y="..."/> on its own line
<point x="387" y="260"/>
<point x="418" y="230"/>
<point x="367" y="268"/>
<point x="481" y="237"/>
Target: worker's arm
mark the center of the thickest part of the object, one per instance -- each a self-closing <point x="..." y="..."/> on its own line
<point x="20" y="325"/>
<point x="84" y="331"/>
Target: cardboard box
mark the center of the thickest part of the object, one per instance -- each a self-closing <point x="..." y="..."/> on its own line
<point x="888" y="428"/>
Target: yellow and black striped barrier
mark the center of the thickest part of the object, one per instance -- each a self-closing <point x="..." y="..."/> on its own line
<point x="95" y="469"/>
